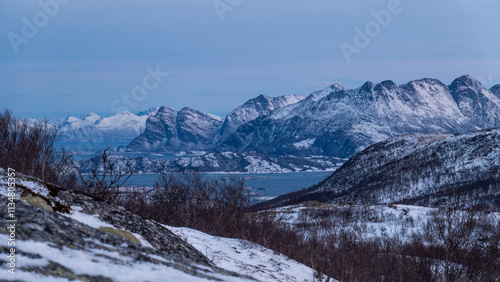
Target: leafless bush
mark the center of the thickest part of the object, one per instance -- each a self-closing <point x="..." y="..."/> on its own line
<point x="105" y="184"/>
<point x="30" y="149"/>
<point x="332" y="243"/>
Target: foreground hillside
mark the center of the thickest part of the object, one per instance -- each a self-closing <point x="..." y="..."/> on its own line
<point x="421" y="169"/>
<point x="63" y="235"/>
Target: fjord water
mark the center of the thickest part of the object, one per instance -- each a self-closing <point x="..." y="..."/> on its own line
<point x="263" y="186"/>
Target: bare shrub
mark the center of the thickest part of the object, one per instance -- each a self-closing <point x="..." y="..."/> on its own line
<point x="105" y="183"/>
<point x="30" y="149"/>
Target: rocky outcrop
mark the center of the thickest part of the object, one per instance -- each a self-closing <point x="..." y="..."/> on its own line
<point x="64" y="244"/>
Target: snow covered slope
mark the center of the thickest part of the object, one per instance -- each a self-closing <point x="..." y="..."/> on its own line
<point x="417" y="169"/>
<point x="252" y="109"/>
<point x="339" y="122"/>
<point x="61" y="238"/>
<point x="245" y="257"/>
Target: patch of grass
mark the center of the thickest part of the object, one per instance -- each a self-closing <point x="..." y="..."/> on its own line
<point x="122" y="233"/>
<point x="39" y="202"/>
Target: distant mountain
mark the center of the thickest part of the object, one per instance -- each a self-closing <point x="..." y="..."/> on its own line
<point x="418" y="169"/>
<point x="122" y="126"/>
<point x="170" y="131"/>
<point x="337" y="122"/>
<point x="188" y="129"/>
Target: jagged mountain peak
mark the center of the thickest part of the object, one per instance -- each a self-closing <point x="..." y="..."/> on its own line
<point x="336" y="86"/>
<point x="387" y="84"/>
<point x="426" y="81"/>
<point x="90" y="116"/>
<point x="149" y="112"/>
<point x="367" y="87"/>
<point x="465" y="81"/>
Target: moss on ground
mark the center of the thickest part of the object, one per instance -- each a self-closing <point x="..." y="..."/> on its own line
<point x="122" y="233"/>
<point x="39" y="202"/>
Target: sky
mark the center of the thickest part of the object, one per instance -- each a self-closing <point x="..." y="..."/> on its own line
<point x="69" y="57"/>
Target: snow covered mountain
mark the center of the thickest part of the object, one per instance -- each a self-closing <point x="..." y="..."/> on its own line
<point x="339" y="122"/>
<point x="417" y="169"/>
<point x="122" y="126"/>
<point x="478" y="104"/>
<point x="170" y="130"/>
<point x="188" y="129"/>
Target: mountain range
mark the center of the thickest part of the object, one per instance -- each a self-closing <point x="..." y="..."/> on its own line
<point x="339" y="122"/>
<point x="333" y="122"/>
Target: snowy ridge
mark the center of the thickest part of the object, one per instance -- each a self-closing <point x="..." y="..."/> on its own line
<point x="170" y="131"/>
<point x="252" y="109"/>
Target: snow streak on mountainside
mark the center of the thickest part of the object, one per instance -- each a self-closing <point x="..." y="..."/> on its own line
<point x="170" y="131"/>
<point x="339" y="122"/>
<point x="122" y="126"/>
<point x="417" y="169"/>
<point x="252" y="109"/>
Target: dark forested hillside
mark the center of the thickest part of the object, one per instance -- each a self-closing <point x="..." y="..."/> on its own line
<point x="423" y="169"/>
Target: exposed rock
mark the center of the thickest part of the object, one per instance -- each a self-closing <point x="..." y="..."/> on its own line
<point x="53" y="245"/>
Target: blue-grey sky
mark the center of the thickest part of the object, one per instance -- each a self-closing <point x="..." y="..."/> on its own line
<point x="70" y="57"/>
